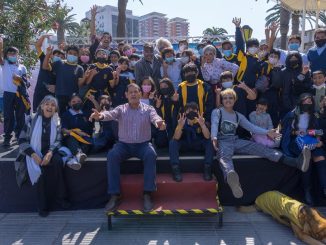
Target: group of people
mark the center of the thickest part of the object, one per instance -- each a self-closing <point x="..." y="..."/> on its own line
<point x="221" y="103"/>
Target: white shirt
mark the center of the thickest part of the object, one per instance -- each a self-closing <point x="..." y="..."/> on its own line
<point x="174" y="72"/>
<point x="303" y="122"/>
<point x="8" y="70"/>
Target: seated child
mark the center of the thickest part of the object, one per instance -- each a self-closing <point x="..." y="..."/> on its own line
<point x="77" y="130"/>
<point x="319" y="88"/>
<point x="262" y="119"/>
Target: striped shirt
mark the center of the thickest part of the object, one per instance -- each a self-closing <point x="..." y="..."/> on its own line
<point x="134" y="124"/>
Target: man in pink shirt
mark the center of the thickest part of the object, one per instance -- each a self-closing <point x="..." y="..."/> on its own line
<point x="134" y="119"/>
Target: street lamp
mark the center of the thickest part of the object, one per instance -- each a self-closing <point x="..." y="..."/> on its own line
<point x="247" y="32"/>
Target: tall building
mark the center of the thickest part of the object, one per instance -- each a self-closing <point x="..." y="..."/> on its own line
<point x="107" y="21"/>
<point x="153" y="25"/>
<point x="178" y="27"/>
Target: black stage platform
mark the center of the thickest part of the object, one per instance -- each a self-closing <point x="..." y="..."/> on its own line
<point x="87" y="187"/>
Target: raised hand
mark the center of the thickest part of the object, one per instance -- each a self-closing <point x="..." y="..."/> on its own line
<point x="274" y="27"/>
<point x="236" y="21"/>
<point x="93" y="72"/>
<point x="175" y="96"/>
<point x="158" y="101"/>
<point x="161" y="125"/>
<point x="93" y="10"/>
<point x="96" y="115"/>
<point x="218" y="91"/>
<point x="305" y="69"/>
<point x="182" y="120"/>
<point x="49" y="50"/>
<point x="200" y="119"/>
<point x="151" y="95"/>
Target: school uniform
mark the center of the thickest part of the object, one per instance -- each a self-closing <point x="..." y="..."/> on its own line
<point x="118" y="92"/>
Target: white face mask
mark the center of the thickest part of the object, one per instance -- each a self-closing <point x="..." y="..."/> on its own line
<point x="182" y="48"/>
<point x="227" y="84"/>
<point x="133" y="63"/>
<point x="318" y="86"/>
<point x="184" y="59"/>
<point x="253" y="50"/>
<point x="272" y="60"/>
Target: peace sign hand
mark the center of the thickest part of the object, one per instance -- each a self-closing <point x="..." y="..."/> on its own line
<point x="96" y="116"/>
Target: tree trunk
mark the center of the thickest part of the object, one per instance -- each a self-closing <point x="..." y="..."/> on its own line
<point x="284" y="26"/>
<point x="60" y="35"/>
<point x="121" y="28"/>
<point x="295" y="24"/>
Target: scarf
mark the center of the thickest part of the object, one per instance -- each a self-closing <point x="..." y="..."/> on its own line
<point x="34" y="170"/>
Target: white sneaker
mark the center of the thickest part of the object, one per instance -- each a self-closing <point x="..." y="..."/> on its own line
<point x="81" y="157"/>
<point x="73" y="164"/>
<point x="232" y="179"/>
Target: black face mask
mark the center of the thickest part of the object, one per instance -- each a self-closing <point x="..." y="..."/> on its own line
<point x="320" y="43"/>
<point x="106" y="106"/>
<point x="191" y="78"/>
<point x="101" y="60"/>
<point x="294" y="63"/>
<point x="191" y="115"/>
<point x="166" y="91"/>
<point x="77" y="106"/>
<point x="306" y="107"/>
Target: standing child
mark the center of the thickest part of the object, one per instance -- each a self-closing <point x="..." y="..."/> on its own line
<point x="148" y="90"/>
<point x="319" y="88"/>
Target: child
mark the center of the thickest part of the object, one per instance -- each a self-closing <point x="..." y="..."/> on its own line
<point x="84" y="58"/>
<point x="148" y="89"/>
<point x="262" y="119"/>
<point x="114" y="57"/>
<point x="118" y="86"/>
<point x="133" y="60"/>
<point x="319" y="89"/>
<point x="77" y="129"/>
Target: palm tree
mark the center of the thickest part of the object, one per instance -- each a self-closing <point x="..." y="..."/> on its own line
<point x="214" y="31"/>
<point x="66" y="21"/>
<point x="121" y="27"/>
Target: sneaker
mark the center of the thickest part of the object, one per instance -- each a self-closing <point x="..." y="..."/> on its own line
<point x="81" y="157"/>
<point x="114" y="202"/>
<point x="303" y="160"/>
<point x="232" y="179"/>
<point x="176" y="173"/>
<point x="207" y="172"/>
<point x="73" y="164"/>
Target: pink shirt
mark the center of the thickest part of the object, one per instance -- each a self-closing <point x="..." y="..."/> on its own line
<point x="134" y="124"/>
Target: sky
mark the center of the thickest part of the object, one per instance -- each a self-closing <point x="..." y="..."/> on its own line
<point x="200" y="14"/>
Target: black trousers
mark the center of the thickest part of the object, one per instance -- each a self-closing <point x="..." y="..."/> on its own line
<point x="75" y="146"/>
<point x="13" y="113"/>
<point x="51" y="184"/>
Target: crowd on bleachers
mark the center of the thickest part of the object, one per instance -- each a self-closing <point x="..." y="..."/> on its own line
<point x="249" y="99"/>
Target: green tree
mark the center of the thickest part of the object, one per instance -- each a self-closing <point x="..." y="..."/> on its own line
<point x="214" y="31"/>
<point x="121" y="28"/>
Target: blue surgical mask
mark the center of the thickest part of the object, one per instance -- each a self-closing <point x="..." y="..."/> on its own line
<point x="72" y="58"/>
<point x="201" y="51"/>
<point x="169" y="60"/>
<point x="293" y="46"/>
<point x="228" y="84"/>
<point x="12" y="59"/>
<point x="56" y="58"/>
<point x="227" y="53"/>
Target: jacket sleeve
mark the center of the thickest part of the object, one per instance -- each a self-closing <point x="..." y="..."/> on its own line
<point x="239" y="41"/>
<point x="209" y="103"/>
<point x="24" y="139"/>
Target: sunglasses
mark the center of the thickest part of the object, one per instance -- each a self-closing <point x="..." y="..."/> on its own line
<point x="228" y="98"/>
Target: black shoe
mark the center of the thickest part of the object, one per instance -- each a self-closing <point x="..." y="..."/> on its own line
<point x="114" y="202"/>
<point x="43" y="213"/>
<point x="207" y="172"/>
<point x="176" y="173"/>
<point x="6" y="143"/>
<point x="308" y="198"/>
<point x="148" y="204"/>
<point x="64" y="204"/>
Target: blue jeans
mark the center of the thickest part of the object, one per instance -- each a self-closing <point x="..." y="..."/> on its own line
<point x="123" y="151"/>
<point x="205" y="145"/>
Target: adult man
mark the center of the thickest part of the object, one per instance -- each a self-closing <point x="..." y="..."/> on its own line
<point x="317" y="55"/>
<point x="134" y="120"/>
<point x="149" y="65"/>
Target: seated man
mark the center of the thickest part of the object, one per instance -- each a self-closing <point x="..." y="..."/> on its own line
<point x="191" y="134"/>
<point x="134" y="119"/>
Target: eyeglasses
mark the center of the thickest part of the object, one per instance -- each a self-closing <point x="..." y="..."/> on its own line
<point x="228" y="98"/>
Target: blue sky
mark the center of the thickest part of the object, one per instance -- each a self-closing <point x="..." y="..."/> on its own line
<point x="201" y="14"/>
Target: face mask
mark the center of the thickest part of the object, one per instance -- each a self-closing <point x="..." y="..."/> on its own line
<point x="294" y="63"/>
<point x="166" y="91"/>
<point x="106" y="106"/>
<point x="191" y="78"/>
<point x="12" y="59"/>
<point x="84" y="58"/>
<point x="182" y="48"/>
<point x="133" y="63"/>
<point x="127" y="52"/>
<point x="76" y="106"/>
<point x="169" y="60"/>
<point x="319" y="86"/>
<point x="101" y="60"/>
<point x="320" y="43"/>
<point x="228" y="84"/>
<point x="227" y="53"/>
<point x="201" y="51"/>
<point x="72" y="58"/>
<point x="56" y="58"/>
<point x="146" y="88"/>
<point x="185" y="59"/>
<point x="272" y="60"/>
<point x="306" y="107"/>
<point x="252" y="50"/>
<point x="191" y="115"/>
<point x="293" y="46"/>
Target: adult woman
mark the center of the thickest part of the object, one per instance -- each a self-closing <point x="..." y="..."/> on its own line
<point x="40" y="141"/>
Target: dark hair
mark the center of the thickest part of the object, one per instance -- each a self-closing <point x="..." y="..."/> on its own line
<point x="11" y="50"/>
<point x="134" y="56"/>
<point x="58" y="51"/>
<point x="296" y="37"/>
<point x="320" y="30"/>
<point x="105" y="96"/>
<point x="312" y="118"/>
<point x="226" y="75"/>
<point x="123" y="59"/>
<point x="192" y="105"/>
<point x="289" y="56"/>
<point x="107" y="33"/>
<point x="319" y="72"/>
<point x="187" y="52"/>
<point x="276" y="52"/>
<point x="116" y="52"/>
<point x="122" y="43"/>
<point x="75" y="95"/>
<point x="133" y="85"/>
<point x="252" y="42"/>
<point x="148" y="46"/>
<point x="72" y="47"/>
<point x="189" y="67"/>
<point x="262" y="101"/>
<point x="151" y="81"/>
<point x="183" y="41"/>
<point x="166" y="51"/>
<point x="226" y="42"/>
